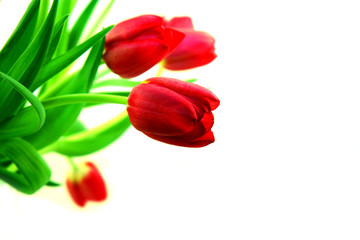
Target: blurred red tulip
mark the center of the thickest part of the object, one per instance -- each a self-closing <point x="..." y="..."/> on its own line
<point x="197" y="48"/>
<point x="173" y="111"/>
<point x="137" y="44"/>
<point x="85" y="183"/>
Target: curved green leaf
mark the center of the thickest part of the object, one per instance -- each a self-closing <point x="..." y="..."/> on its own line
<point x="32" y="171"/>
<point x="37" y="106"/>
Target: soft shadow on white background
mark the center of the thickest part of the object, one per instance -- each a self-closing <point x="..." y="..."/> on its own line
<point x="285" y="164"/>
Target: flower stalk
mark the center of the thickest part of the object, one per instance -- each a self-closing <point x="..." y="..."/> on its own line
<point x="83" y="98"/>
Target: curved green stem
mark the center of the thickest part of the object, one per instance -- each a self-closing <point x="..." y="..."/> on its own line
<point x="83" y="98"/>
<point x="101" y="128"/>
<point x="73" y="164"/>
<point x="91" y="133"/>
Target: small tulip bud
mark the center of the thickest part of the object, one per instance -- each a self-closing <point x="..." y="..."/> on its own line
<point x="85" y="183"/>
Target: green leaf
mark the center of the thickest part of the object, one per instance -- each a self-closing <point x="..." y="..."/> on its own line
<point x="79" y="26"/>
<point x="75" y="128"/>
<point x="8" y="129"/>
<point x="53" y="184"/>
<point x="65" y="8"/>
<point x="61" y="62"/>
<point x="27" y="66"/>
<point x="93" y="140"/>
<point x="56" y="37"/>
<point x="60" y="119"/>
<point x="100" y="18"/>
<point x="20" y="38"/>
<point x="43" y="11"/>
<point x="24" y="123"/>
<point x="34" y="172"/>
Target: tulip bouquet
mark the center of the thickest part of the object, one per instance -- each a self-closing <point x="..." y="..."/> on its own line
<point x="45" y="84"/>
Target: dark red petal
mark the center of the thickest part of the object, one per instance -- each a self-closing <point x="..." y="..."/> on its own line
<point x="202" y="127"/>
<point x="207" y="138"/>
<point x="93" y="185"/>
<point x="132" y="58"/>
<point x="130" y="28"/>
<point x="198" y="94"/>
<point x="158" y="110"/>
<point x="75" y="193"/>
<point x="181" y="23"/>
<point x="197" y="49"/>
<point x="179" y="141"/>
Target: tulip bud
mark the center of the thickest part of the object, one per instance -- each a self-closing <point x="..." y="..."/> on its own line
<point x="173" y="111"/>
<point x="85" y="183"/>
<point x="197" y="48"/>
<point x="137" y="44"/>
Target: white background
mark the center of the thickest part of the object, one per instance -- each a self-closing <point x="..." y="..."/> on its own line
<point x="285" y="164"/>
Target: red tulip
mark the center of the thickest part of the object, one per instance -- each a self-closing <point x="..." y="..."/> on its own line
<point x="135" y="45"/>
<point x="197" y="48"/>
<point x="85" y="183"/>
<point x="173" y="111"/>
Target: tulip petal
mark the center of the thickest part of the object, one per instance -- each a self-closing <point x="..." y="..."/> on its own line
<point x="181" y="23"/>
<point x="130" y="59"/>
<point x="179" y="141"/>
<point x="132" y="27"/>
<point x="197" y="49"/>
<point x="202" y="127"/>
<point x="158" y="110"/>
<point x="93" y="185"/>
<point x="173" y="38"/>
<point x="75" y="193"/>
<point x="203" y="97"/>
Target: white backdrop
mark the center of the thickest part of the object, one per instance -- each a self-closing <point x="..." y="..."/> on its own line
<point x="285" y="164"/>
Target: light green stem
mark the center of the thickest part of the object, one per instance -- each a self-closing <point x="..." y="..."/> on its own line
<point x="83" y="98"/>
<point x="88" y="133"/>
<point x="94" y="131"/>
<point x="73" y="164"/>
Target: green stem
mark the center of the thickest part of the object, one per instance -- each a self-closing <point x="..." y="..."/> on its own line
<point x="88" y="133"/>
<point x="83" y="98"/>
<point x="94" y="131"/>
<point x="73" y="164"/>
